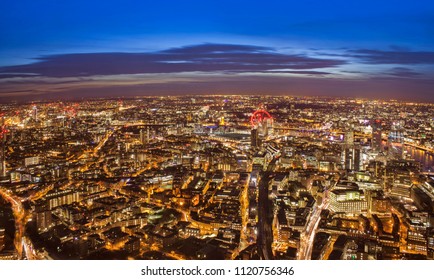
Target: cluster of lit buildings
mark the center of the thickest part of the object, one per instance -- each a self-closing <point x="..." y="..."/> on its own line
<point x="179" y="178"/>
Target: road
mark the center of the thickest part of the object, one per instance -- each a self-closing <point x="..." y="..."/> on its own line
<point x="244" y="200"/>
<point x="265" y="216"/>
<point x="308" y="236"/>
<point x="21" y="217"/>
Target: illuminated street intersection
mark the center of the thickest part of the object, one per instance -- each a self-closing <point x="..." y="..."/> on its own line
<point x="217" y="177"/>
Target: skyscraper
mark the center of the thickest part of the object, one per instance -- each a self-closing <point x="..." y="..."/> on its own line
<point x="43" y="220"/>
<point x="35" y="113"/>
<point x="142" y="137"/>
<point x="395" y="142"/>
<point x="2" y="238"/>
<point x="349" y="137"/>
<point x="352" y="157"/>
<point x="254" y="138"/>
<point x="2" y="149"/>
<point x="376" y="136"/>
<point x="351" y="152"/>
<point x="2" y="162"/>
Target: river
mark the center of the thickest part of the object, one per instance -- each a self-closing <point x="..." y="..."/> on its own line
<point x="426" y="159"/>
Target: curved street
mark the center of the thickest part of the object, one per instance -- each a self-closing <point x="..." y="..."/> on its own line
<point x="23" y="245"/>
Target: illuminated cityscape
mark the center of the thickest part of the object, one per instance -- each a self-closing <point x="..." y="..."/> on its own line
<point x="239" y="138"/>
<point x="217" y="177"/>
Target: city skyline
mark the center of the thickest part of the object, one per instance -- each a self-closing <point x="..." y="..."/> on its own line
<point x="316" y="48"/>
<point x="217" y="130"/>
<point x="217" y="177"/>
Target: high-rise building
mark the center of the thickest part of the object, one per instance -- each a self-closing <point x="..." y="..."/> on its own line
<point x="255" y="141"/>
<point x="376" y="136"/>
<point x="142" y="137"/>
<point x="2" y="150"/>
<point x="395" y="143"/>
<point x="357" y="158"/>
<point x="267" y="126"/>
<point x="349" y="137"/>
<point x="352" y="158"/>
<point x="35" y="113"/>
<point x="2" y="238"/>
<point x="43" y="220"/>
<point x="430" y="243"/>
<point x="348" y="160"/>
<point x="2" y="163"/>
<point x="351" y="152"/>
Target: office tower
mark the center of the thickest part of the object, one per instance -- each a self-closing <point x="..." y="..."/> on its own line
<point x="352" y="158"/>
<point x="2" y="150"/>
<point x="2" y="238"/>
<point x="254" y="138"/>
<point x="35" y="113"/>
<point x="395" y="143"/>
<point x="349" y="137"/>
<point x="376" y="136"/>
<point x="142" y="137"/>
<point x="43" y="220"/>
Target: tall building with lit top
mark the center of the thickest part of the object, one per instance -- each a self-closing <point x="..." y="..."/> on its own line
<point x="35" y="113"/>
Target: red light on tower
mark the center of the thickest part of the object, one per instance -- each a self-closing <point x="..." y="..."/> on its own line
<point x="258" y="117"/>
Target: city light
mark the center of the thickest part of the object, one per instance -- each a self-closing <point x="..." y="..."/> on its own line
<point x="124" y="180"/>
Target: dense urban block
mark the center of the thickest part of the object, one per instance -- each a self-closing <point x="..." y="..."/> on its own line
<point x="217" y="177"/>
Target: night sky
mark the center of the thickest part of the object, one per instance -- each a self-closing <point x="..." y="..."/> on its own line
<point x="370" y="49"/>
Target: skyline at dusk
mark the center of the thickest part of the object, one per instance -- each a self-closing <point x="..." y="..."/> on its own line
<point x="363" y="49"/>
<point x="281" y="131"/>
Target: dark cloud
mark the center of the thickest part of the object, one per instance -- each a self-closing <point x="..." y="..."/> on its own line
<point x="203" y="58"/>
<point x="295" y="72"/>
<point x="210" y="48"/>
<point x="399" y="48"/>
<point x="219" y="69"/>
<point x="393" y="57"/>
<point x="403" y="72"/>
<point x="12" y="75"/>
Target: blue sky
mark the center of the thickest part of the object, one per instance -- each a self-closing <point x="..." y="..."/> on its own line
<point x="385" y="48"/>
